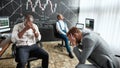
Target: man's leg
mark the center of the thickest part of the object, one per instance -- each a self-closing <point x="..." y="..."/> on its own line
<point x="64" y="37"/>
<point x="86" y="66"/>
<point x="77" y="53"/>
<point x="21" y="56"/>
<point x="42" y="54"/>
<point x="21" y="65"/>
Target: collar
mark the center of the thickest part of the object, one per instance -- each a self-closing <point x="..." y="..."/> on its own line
<point x="60" y="20"/>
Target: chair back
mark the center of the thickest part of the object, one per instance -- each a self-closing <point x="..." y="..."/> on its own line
<point x="56" y="34"/>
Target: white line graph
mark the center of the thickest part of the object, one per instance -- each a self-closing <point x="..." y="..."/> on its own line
<point x="33" y="6"/>
<point x="41" y="6"/>
<point x="44" y="10"/>
<point x="6" y="4"/>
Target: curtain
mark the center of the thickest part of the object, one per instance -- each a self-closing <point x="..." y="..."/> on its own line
<point x="106" y="14"/>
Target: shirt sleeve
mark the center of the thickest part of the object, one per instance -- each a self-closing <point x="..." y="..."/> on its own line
<point x="88" y="47"/>
<point x="14" y="37"/>
<point x="66" y="27"/>
<point x="59" y="29"/>
<point x="37" y="31"/>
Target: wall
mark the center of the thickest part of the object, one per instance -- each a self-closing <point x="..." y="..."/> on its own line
<point x="44" y="11"/>
<point x="107" y="20"/>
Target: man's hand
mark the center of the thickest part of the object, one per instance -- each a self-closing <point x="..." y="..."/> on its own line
<point x="34" y="30"/>
<point x="72" y="39"/>
<point x="28" y="25"/>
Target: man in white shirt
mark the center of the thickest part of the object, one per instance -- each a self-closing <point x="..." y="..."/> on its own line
<point x="62" y="29"/>
<point x="25" y="35"/>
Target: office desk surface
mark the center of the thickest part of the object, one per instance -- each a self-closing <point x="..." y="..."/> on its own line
<point x="4" y="44"/>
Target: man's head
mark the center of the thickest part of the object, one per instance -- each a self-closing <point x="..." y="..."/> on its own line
<point x="60" y="17"/>
<point x="75" y="33"/>
<point x="29" y="18"/>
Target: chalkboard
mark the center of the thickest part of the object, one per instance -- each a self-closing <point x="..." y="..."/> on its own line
<point x="44" y="11"/>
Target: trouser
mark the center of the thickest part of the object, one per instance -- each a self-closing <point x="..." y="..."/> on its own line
<point x="86" y="66"/>
<point x="77" y="53"/>
<point x="24" y="52"/>
<point x="65" y="38"/>
<point x="117" y="65"/>
<point x="117" y="62"/>
<point x="110" y="62"/>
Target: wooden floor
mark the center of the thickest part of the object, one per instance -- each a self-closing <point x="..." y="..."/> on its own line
<point x="57" y="59"/>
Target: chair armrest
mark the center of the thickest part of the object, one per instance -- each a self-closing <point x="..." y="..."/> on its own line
<point x="39" y="43"/>
<point x="13" y="49"/>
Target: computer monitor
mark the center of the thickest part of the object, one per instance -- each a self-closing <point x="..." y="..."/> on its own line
<point x="80" y="25"/>
<point x="89" y="23"/>
<point x="4" y="24"/>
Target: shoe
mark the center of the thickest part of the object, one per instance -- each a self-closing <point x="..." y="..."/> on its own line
<point x="71" y="56"/>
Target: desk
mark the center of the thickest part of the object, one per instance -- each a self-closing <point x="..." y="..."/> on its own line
<point x="4" y="44"/>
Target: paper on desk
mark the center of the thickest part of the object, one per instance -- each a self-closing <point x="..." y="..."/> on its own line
<point x="0" y="49"/>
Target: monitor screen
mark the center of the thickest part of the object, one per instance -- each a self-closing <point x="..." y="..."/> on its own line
<point x="4" y="22"/>
<point x="80" y="25"/>
<point x="89" y="23"/>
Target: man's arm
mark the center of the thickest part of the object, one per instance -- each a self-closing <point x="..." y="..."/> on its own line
<point x="16" y="35"/>
<point x="20" y="34"/>
<point x="66" y="27"/>
<point x="88" y="48"/>
<point x="36" y="32"/>
<point x="59" y="29"/>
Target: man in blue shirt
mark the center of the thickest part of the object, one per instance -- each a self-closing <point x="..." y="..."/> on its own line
<point x="62" y="29"/>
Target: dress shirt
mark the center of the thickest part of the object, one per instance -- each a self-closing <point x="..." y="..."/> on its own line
<point x="28" y="38"/>
<point x="60" y="26"/>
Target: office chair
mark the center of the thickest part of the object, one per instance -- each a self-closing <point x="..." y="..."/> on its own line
<point x="30" y="58"/>
<point x="58" y="37"/>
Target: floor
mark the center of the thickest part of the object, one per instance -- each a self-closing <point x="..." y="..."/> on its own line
<point x="58" y="57"/>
